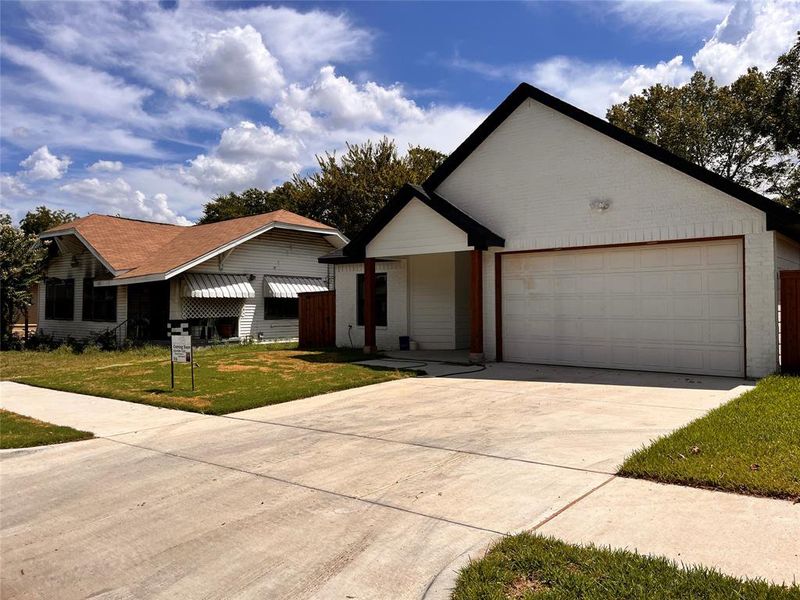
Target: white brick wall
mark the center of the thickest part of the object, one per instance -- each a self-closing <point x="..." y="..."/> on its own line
<point x="532" y="180"/>
<point x="761" y="314"/>
<point x="387" y="338"/>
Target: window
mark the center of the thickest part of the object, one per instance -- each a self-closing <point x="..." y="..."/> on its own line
<point x="381" y="304"/>
<point x="99" y="303"/>
<point x="59" y="299"/>
<point x="280" y="308"/>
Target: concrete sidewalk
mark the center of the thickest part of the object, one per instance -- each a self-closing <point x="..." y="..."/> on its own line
<point x="739" y="535"/>
<point x="101" y="416"/>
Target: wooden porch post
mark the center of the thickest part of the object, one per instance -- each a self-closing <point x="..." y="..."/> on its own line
<point x="369" y="306"/>
<point x="476" y="307"/>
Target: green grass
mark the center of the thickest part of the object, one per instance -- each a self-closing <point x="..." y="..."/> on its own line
<point x="18" y="431"/>
<point x="750" y="445"/>
<point x="531" y="566"/>
<point x="228" y="378"/>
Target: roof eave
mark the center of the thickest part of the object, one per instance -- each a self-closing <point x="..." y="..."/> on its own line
<point x="478" y="235"/>
<point x="786" y="217"/>
<point x="72" y="231"/>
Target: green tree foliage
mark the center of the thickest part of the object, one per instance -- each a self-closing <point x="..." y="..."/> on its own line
<point x="345" y="192"/>
<point x="746" y="131"/>
<point x="21" y="260"/>
<point x="43" y="218"/>
<point x="250" y="202"/>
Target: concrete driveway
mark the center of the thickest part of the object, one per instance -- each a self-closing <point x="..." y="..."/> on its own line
<point x="367" y="493"/>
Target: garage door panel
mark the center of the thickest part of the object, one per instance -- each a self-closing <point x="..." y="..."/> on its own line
<point x="725" y="332"/>
<point x="722" y="254"/>
<point x="653" y="282"/>
<point x="723" y="281"/>
<point x="674" y="307"/>
<point x="686" y="256"/>
<point x="725" y="307"/>
<point x="690" y="307"/>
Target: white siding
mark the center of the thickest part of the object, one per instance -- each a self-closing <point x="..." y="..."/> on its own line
<point x="348" y="333"/>
<point x="787" y="254"/>
<point x="417" y="229"/>
<point x="273" y="253"/>
<point x="432" y="301"/>
<point x="62" y="266"/>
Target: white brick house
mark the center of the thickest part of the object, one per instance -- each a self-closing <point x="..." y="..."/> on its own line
<point x="550" y="236"/>
<point x="236" y="279"/>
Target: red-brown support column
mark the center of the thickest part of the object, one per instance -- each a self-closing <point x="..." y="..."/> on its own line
<point x="369" y="306"/>
<point x="476" y="307"/>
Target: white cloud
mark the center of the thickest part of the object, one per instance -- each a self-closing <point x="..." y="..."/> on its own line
<point x="247" y="155"/>
<point x="43" y="164"/>
<point x="84" y="89"/>
<point x="160" y="45"/>
<point x="666" y="16"/>
<point x="116" y="196"/>
<point x="753" y="34"/>
<point x="12" y="187"/>
<point x="29" y="129"/>
<point x="333" y="101"/>
<point x="109" y="166"/>
<point x="320" y="117"/>
<point x="232" y="64"/>
<point x="750" y="34"/>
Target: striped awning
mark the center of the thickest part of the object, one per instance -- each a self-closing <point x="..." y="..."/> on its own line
<point x="217" y="285"/>
<point x="284" y="286"/>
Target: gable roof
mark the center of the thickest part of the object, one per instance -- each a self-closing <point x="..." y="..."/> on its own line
<point x="779" y="217"/>
<point x="119" y="243"/>
<point x="477" y="234"/>
<point x="143" y="251"/>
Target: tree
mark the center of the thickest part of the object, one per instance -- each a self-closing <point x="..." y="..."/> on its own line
<point x="783" y="112"/>
<point x="21" y="262"/>
<point x="42" y="218"/>
<point x="742" y="131"/>
<point x="345" y="192"/>
<point x="252" y="201"/>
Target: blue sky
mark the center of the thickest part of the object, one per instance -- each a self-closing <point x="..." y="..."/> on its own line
<point x="148" y="110"/>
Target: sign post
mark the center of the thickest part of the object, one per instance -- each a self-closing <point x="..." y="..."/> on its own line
<point x="181" y="353"/>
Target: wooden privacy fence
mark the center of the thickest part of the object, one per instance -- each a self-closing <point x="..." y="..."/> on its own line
<point x="790" y="321"/>
<point x="317" y="319"/>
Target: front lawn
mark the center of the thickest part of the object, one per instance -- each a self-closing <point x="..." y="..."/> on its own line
<point x="749" y="445"/>
<point x="228" y="378"/>
<point x="531" y="566"/>
<point x="19" y="431"/>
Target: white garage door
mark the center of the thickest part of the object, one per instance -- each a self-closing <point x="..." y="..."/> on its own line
<point x="664" y="307"/>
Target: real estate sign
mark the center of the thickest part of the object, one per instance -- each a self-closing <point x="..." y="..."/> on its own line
<point x="181" y="348"/>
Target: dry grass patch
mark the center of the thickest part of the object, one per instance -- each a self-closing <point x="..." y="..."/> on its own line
<point x="228" y="379"/>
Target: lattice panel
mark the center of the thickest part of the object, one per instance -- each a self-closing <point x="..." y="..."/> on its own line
<point x="207" y="308"/>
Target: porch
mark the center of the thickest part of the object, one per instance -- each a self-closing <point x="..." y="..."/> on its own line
<point x="438" y="299"/>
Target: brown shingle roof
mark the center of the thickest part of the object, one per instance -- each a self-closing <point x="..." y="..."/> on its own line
<point x="144" y="248"/>
<point x="123" y="243"/>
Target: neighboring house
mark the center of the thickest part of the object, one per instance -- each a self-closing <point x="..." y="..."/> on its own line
<point x="234" y="279"/>
<point x="550" y="236"/>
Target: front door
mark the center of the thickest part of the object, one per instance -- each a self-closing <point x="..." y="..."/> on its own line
<point x="148" y="310"/>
